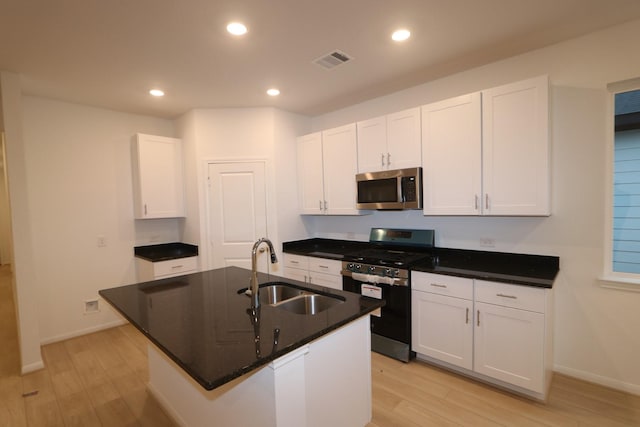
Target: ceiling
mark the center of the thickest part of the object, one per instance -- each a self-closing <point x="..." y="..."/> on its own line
<point x="109" y="53"/>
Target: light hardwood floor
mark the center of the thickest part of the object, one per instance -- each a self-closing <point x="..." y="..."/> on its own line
<point x="99" y="380"/>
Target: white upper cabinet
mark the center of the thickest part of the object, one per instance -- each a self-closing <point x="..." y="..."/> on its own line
<point x="310" y="175"/>
<point x="487" y="153"/>
<point x="158" y="182"/>
<point x="327" y="166"/>
<point x="452" y="156"/>
<point x="515" y="138"/>
<point x="390" y="142"/>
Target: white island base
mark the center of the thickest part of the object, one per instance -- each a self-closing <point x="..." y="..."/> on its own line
<point x="324" y="383"/>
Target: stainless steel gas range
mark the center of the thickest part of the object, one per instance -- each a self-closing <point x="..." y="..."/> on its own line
<point x="383" y="271"/>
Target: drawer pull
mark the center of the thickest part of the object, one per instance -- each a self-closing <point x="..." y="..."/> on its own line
<point x="294" y="262"/>
<point x="437" y="285"/>
<point x="323" y="266"/>
<point x="177" y="266"/>
<point x="507" y="296"/>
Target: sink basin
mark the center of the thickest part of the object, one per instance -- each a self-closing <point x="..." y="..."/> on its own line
<point x="300" y="301"/>
<point x="309" y="304"/>
<point x="276" y="293"/>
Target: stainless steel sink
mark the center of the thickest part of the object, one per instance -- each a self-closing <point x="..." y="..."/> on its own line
<point x="276" y="293"/>
<point x="309" y="304"/>
<point x="296" y="300"/>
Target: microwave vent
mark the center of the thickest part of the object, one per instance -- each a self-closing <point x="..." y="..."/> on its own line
<point x="332" y="59"/>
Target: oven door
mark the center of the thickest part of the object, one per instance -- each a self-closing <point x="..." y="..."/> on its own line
<point x="394" y="321"/>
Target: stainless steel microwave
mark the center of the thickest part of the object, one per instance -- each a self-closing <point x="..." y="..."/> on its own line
<point x="391" y="189"/>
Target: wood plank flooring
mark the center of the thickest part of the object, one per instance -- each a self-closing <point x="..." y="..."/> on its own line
<point x="99" y="380"/>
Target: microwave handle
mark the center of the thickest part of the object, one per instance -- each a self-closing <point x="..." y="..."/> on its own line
<point x="400" y="182"/>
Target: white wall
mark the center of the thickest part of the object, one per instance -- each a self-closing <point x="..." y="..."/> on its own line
<point x="242" y="134"/>
<point x="79" y="186"/>
<point x="596" y="329"/>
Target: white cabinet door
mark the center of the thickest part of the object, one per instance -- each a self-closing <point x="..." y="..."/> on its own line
<point x="509" y="345"/>
<point x="372" y="144"/>
<point x="442" y="328"/>
<point x="158" y="177"/>
<point x="515" y="137"/>
<point x="328" y="280"/>
<point x="340" y="159"/>
<point x="452" y="156"/>
<point x="310" y="174"/>
<point x="296" y="274"/>
<point x="404" y="146"/>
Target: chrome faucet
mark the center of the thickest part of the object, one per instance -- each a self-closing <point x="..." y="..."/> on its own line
<point x="254" y="290"/>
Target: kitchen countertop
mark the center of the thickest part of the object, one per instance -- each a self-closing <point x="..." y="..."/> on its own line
<point x="203" y="323"/>
<point x="520" y="269"/>
<point x="165" y="251"/>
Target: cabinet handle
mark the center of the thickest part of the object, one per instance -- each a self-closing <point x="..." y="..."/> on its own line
<point x="466" y="322"/>
<point x="320" y="204"/>
<point x="145" y="209"/>
<point x="388" y="159"/>
<point x="486" y="201"/>
<point x="381" y="159"/>
<point x="176" y="266"/>
<point x="478" y="317"/>
<point x="438" y="285"/>
<point x="476" y="201"/>
<point x="507" y="296"/>
<point x="325" y="205"/>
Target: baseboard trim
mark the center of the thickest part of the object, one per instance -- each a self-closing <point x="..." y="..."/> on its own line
<point x="32" y="367"/>
<point x="81" y="332"/>
<point x="598" y="379"/>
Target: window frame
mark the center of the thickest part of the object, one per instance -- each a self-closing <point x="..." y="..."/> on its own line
<point x="613" y="279"/>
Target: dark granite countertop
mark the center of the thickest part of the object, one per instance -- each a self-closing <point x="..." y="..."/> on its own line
<point x="165" y="251"/>
<point x="201" y="321"/>
<point x="520" y="269"/>
<point x="323" y="248"/>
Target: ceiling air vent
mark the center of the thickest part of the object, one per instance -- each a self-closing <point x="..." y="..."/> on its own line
<point x="332" y="60"/>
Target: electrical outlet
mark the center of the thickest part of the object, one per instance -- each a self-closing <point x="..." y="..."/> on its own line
<point x="91" y="306"/>
<point x="487" y="242"/>
<point x="101" y="241"/>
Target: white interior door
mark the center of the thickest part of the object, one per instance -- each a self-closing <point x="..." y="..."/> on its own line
<point x="237" y="213"/>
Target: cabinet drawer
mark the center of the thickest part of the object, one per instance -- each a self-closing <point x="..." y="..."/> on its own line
<point x="323" y="265"/>
<point x="175" y="266"/>
<point x="296" y="261"/>
<point x="515" y="296"/>
<point x="440" y="284"/>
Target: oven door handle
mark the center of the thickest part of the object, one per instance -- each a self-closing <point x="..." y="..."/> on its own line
<point x="374" y="279"/>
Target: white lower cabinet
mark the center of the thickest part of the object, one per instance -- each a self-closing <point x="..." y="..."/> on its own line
<point x="149" y="270"/>
<point x="318" y="271"/>
<point x="442" y="323"/>
<point x="497" y="332"/>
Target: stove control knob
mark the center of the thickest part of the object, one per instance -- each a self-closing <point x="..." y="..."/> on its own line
<point x="350" y="266"/>
<point x="358" y="267"/>
<point x="388" y="272"/>
<point x="372" y="269"/>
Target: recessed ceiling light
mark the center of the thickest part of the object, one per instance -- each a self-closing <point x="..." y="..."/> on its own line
<point x="273" y="92"/>
<point x="401" y="35"/>
<point x="156" y="92"/>
<point x="236" y="28"/>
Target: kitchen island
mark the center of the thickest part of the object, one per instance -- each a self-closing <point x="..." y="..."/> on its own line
<point x="214" y="358"/>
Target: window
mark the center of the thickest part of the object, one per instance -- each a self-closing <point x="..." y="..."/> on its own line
<point x="625" y="221"/>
